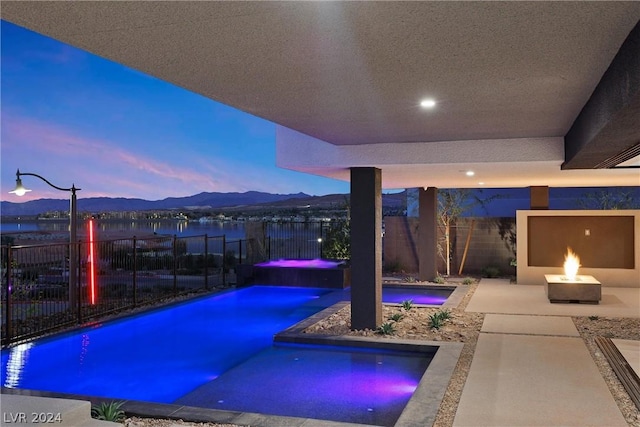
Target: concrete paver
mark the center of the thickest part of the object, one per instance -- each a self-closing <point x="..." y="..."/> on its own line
<point x="531" y="368"/>
<point x="518" y="380"/>
<point x="529" y="325"/>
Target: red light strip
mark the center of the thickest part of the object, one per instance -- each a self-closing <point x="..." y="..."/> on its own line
<point x="92" y="266"/>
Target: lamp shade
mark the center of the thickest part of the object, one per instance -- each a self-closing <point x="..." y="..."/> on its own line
<point x="20" y="190"/>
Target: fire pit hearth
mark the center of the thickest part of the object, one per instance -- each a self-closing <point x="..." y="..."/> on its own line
<point x="582" y="289"/>
<point x="572" y="287"/>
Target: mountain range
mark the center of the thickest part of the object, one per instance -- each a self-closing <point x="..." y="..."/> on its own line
<point x="202" y="201"/>
<point x="504" y="201"/>
<point x="109" y="204"/>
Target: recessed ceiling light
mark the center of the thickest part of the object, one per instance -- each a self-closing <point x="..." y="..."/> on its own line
<point x="481" y="183"/>
<point x="427" y="103"/>
<point x="470" y="173"/>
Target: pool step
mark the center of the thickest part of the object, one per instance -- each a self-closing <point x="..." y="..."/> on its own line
<point x="31" y="411"/>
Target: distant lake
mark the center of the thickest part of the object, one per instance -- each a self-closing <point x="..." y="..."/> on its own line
<point x="233" y="230"/>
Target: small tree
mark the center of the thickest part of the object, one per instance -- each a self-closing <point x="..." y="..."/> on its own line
<point x="452" y="204"/>
<point x="337" y="243"/>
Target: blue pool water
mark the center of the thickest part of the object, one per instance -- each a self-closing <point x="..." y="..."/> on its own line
<point x="218" y="352"/>
<point x="162" y="355"/>
<point x="324" y="382"/>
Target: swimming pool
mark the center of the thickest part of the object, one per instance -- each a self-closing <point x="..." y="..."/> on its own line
<point x="420" y="295"/>
<point x="214" y="352"/>
<point x="161" y="355"/>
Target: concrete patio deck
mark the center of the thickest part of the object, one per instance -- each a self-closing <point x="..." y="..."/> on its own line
<point x="499" y="296"/>
<point x="530" y="368"/>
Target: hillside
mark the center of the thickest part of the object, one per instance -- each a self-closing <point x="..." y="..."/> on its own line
<point x="107" y="204"/>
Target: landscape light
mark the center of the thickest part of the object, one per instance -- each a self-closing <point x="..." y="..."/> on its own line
<point x="20" y="189"/>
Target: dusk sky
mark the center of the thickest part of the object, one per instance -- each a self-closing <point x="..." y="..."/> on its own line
<point x="75" y="118"/>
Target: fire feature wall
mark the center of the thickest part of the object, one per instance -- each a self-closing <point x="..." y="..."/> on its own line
<point x="607" y="243"/>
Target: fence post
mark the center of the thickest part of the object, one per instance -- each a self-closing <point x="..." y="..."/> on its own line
<point x="240" y="251"/>
<point x="175" y="265"/>
<point x="135" y="271"/>
<point x="224" y="262"/>
<point x="7" y="303"/>
<point x="206" y="262"/>
<point x="321" y="238"/>
<point x="268" y="247"/>
<point x="78" y="275"/>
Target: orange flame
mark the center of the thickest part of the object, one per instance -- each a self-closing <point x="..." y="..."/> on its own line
<point x="571" y="264"/>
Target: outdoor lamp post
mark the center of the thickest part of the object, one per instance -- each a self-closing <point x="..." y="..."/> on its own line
<point x="20" y="190"/>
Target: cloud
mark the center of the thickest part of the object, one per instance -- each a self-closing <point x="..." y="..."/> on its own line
<point x="104" y="167"/>
<point x="108" y="168"/>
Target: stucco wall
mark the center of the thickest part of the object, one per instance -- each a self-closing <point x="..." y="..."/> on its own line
<point x="618" y="277"/>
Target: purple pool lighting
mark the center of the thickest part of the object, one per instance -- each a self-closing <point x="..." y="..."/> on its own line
<point x="343" y="384"/>
<point x="301" y="263"/>
<point x="315" y="273"/>
<point x="417" y="295"/>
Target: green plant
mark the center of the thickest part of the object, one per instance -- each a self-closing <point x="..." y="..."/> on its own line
<point x="444" y="314"/>
<point x="439" y="279"/>
<point x="108" y="411"/>
<point x="467" y="281"/>
<point x="407" y="304"/>
<point x="436" y="320"/>
<point x="396" y="317"/>
<point x="386" y="329"/>
<point x="594" y="317"/>
<point x="337" y="241"/>
<point x="409" y="279"/>
<point x="490" y="271"/>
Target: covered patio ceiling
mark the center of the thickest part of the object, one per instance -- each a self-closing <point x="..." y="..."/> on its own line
<point x="526" y="93"/>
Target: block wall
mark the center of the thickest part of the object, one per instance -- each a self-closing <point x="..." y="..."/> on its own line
<point x="486" y="247"/>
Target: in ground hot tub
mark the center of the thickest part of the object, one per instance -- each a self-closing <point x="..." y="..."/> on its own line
<point x="313" y="273"/>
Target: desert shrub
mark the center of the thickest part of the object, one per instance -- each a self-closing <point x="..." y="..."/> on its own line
<point x="437" y="320"/>
<point x="108" y="411"/>
<point x="490" y="271"/>
<point x="386" y="329"/>
<point x="396" y="317"/>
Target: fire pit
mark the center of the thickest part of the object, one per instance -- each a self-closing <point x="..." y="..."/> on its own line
<point x="572" y="287"/>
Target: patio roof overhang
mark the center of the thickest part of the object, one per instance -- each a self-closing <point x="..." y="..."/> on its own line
<point x="527" y="93"/>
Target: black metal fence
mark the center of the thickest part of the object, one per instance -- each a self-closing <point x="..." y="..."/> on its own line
<point x="300" y="240"/>
<point x="128" y="273"/>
